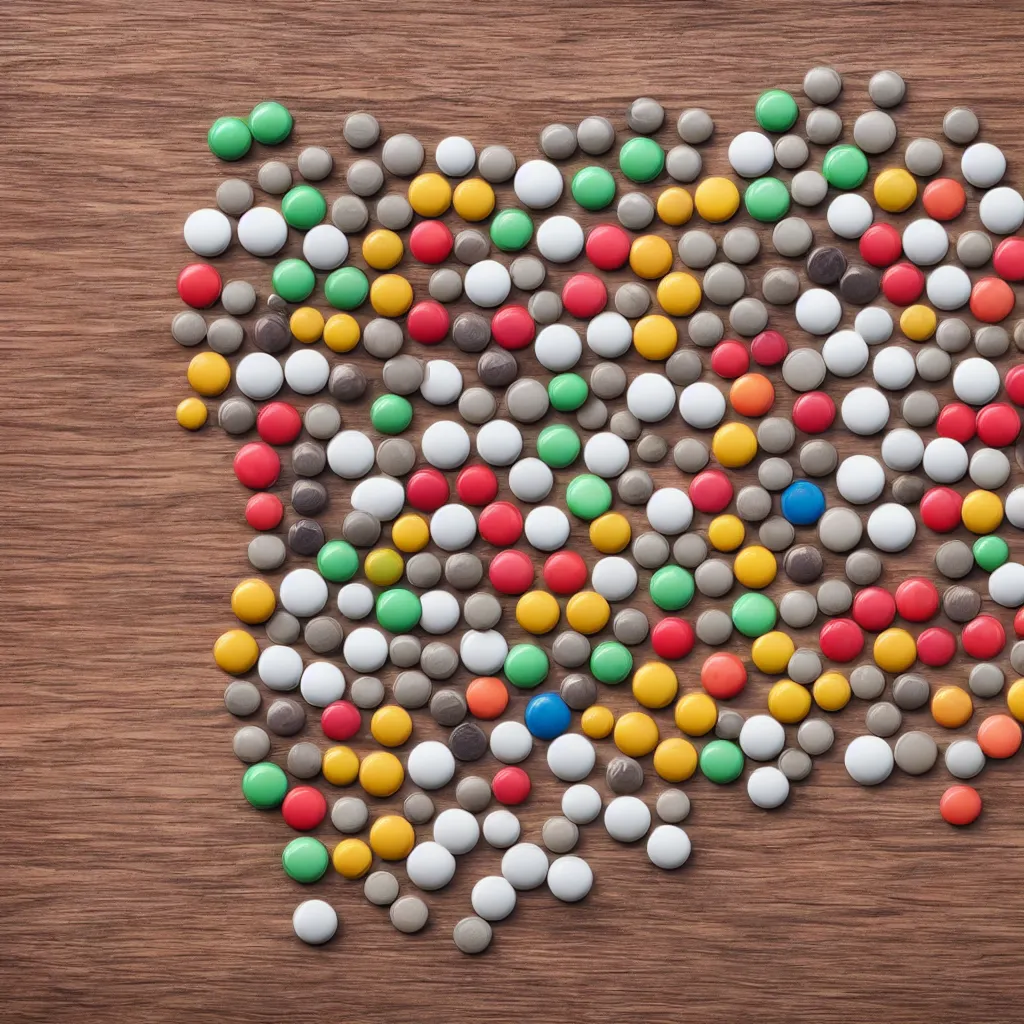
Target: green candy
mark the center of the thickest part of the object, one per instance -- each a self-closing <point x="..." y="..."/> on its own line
<point x="767" y="200"/>
<point x="776" y="110"/>
<point x="337" y="561"/>
<point x="593" y="188"/>
<point x="293" y="280"/>
<point x="526" y="666"/>
<point x="991" y="552"/>
<point x="511" y="230"/>
<point x="567" y="391"/>
<point x="305" y="859"/>
<point x="671" y="588"/>
<point x="588" y="496"/>
<point x="844" y="167"/>
<point x="558" y="446"/>
<point x="264" y="785"/>
<point x="641" y="159"/>
<point x="721" y="761"/>
<point x="391" y="414"/>
<point x="398" y="610"/>
<point x="303" y="207"/>
<point x="754" y="614"/>
<point x="229" y="138"/>
<point x="346" y="288"/>
<point x="270" y="123"/>
<point x="611" y="662"/>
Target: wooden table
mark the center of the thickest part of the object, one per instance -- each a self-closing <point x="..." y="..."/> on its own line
<point x="137" y="886"/>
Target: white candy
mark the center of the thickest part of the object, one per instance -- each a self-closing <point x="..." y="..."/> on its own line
<point x="439" y="612"/>
<point x="751" y="154"/>
<point x="430" y="866"/>
<point x="445" y="444"/>
<point x="570" y="757"/>
<point x="493" y="898"/>
<point x="650" y="397"/>
<point x="455" y="829"/>
<point x="303" y="592"/>
<point x="945" y="460"/>
<point x="546" y="527"/>
<point x="767" y="787"/>
<point x="501" y="829"/>
<point x="669" y="511"/>
<point x="455" y="156"/>
<point x="570" y="878"/>
<point x="845" y="353"/>
<point x="355" y="600"/>
<point x="609" y="335"/>
<point x="614" y="578"/>
<point x="262" y="231"/>
<point x="976" y="381"/>
<point x="322" y="683"/>
<point x="627" y="819"/>
<point x="948" y="287"/>
<point x="893" y="368"/>
<point x="849" y="215"/>
<point x="259" y="376"/>
<point x="560" y="239"/>
<point x="207" y="232"/>
<point x="487" y="283"/>
<point x="306" y="370"/>
<point x="925" y="241"/>
<point x="350" y="454"/>
<point x="530" y="480"/>
<point x="581" y="803"/>
<point x="668" y="847"/>
<point x="511" y="742"/>
<point x="280" y="667"/>
<point x="525" y="866"/>
<point x="860" y="479"/>
<point x="891" y="527"/>
<point x="431" y="765"/>
<point x="499" y="442"/>
<point x="762" y="737"/>
<point x="606" y="454"/>
<point x="558" y="348"/>
<point x="869" y="760"/>
<point x="324" y="247"/>
<point x="442" y="382"/>
<point x="873" y="324"/>
<point x="380" y="496"/>
<point x="1006" y="585"/>
<point x="702" y="405"/>
<point x="865" y="411"/>
<point x="983" y="164"/>
<point x="315" y="922"/>
<point x="452" y="527"/>
<point x="902" y="450"/>
<point x="365" y="649"/>
<point x="818" y="311"/>
<point x="538" y="184"/>
<point x="483" y="652"/>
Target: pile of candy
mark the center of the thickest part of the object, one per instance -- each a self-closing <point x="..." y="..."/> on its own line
<point x="441" y="412"/>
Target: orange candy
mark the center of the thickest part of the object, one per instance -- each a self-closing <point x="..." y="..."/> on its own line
<point x="999" y="736"/>
<point x="486" y="697"/>
<point x="752" y="394"/>
<point x="723" y="675"/>
<point x="960" y="805"/>
<point x="952" y="706"/>
<point x="991" y="300"/>
<point x="944" y="199"/>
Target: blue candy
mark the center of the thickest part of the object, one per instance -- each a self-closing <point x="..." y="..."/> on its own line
<point x="803" y="503"/>
<point x="547" y="716"/>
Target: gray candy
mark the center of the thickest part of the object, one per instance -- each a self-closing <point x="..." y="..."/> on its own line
<point x="402" y="155"/>
<point x="623" y="775"/>
<point x="545" y="307"/>
<point x="315" y="163"/>
<point x="409" y="914"/>
<point x="650" y="550"/>
<point x="815" y="736"/>
<point x="308" y="497"/>
<point x="635" y="211"/>
<point x="952" y="335"/>
<point x="267" y="552"/>
<point x="607" y="380"/>
<point x="381" y="888"/>
<point x="834" y="597"/>
<point x="798" y="609"/>
<point x="803" y="564"/>
<point x="803" y="369"/>
<point x="974" y="249"/>
<point x="915" y="752"/>
<point x="418" y="808"/>
<point x="560" y="835"/>
<point x="394" y="212"/>
<point x="625" y="425"/>
<point x="808" y="188"/>
<point x="753" y="504"/>
<point x="887" y="89"/>
<point x="558" y="141"/>
<point x="463" y="570"/>
<point x="382" y="338"/>
<point x="651" y="448"/>
<point x="741" y="245"/>
<point x="471" y="246"/>
<point x="695" y="126"/>
<point x="423" y="570"/>
<point x="1017" y="657"/>
<point x="360" y="529"/>
<point x="251" y="744"/>
<point x="780" y="286"/>
<point x="933" y="364"/>
<point x="645" y="115"/>
<point x="867" y="682"/>
<point x="234" y="196"/>
<point x="496" y="164"/>
<point x="238" y="298"/>
<point x="791" y="152"/>
<point x="411" y="689"/>
<point x="526" y="400"/>
<point x="863" y="567"/>
<point x="361" y="130"/>
<point x="283" y="628"/>
<point x="822" y="84"/>
<point x="477" y="405"/>
<point x="689" y="550"/>
<point x="322" y="421"/>
<point x="960" y="603"/>
<point x="570" y="649"/>
<point x="595" y="135"/>
<point x="473" y="793"/>
<point x="954" y="559"/>
<point x="308" y="458"/>
<point x="471" y="332"/>
<point x="673" y="805"/>
<point x="349" y="814"/>
<point x="910" y="691"/>
<point x="497" y="368"/>
<point x="404" y="651"/>
<point x="349" y="214"/>
<point x="776" y="533"/>
<point x="236" y="415"/>
<point x="304" y="760"/>
<point x="366" y="692"/>
<point x="274" y="177"/>
<point x="883" y="719"/>
<point x="630" y="626"/>
<point x="923" y="157"/>
<point x="592" y="414"/>
<point x="960" y="125"/>
<point x="241" y="698"/>
<point x="347" y="382"/>
<point x="986" y="680"/>
<point x="683" y="163"/>
<point x="403" y="374"/>
<point x="823" y="126"/>
<point x="724" y="284"/>
<point x="776" y="435"/>
<point x="445" y="285"/>
<point x="792" y="237"/>
<point x="323" y="635"/>
<point x="804" y="665"/>
<point x="697" y="249"/>
<point x="840" y="529"/>
<point x="989" y="468"/>
<point x="713" y="578"/>
<point x="683" y="367"/>
<point x="439" y="660"/>
<point x="796" y="765"/>
<point x="225" y="335"/>
<point x="729" y="724"/>
<point x="635" y="487"/>
<point x="188" y="328"/>
<point x="705" y="329"/>
<point x="713" y="627"/>
<point x="528" y="273"/>
<point x="472" y="935"/>
<point x="285" y="717"/>
<point x="990" y="340"/>
<point x="481" y="611"/>
<point x="919" y="408"/>
<point x="306" y="537"/>
<point x="908" y="490"/>
<point x="578" y="691"/>
<point x="748" y="317"/>
<point x="775" y="474"/>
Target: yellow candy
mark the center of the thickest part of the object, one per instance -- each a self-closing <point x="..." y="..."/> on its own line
<point x="655" y="337"/>
<point x="755" y="567"/>
<point x="352" y="858"/>
<point x="952" y="707"/>
<point x="382" y="249"/>
<point x="895" y="190"/>
<point x="537" y="612"/>
<point x="391" y="725"/>
<point x="726" y="533"/>
<point x="307" y="324"/>
<point x="650" y="257"/>
<point x="209" y="373"/>
<point x="655" y="684"/>
<point x="771" y="652"/>
<point x="587" y="612"/>
<point x="1015" y="699"/>
<point x="918" y="322"/>
<point x="340" y="766"/>
<point x="253" y="601"/>
<point x="381" y="773"/>
<point x="696" y="714"/>
<point x="679" y="293"/>
<point x="383" y="566"/>
<point x="636" y="734"/>
<point x="236" y="651"/>
<point x="610" y="533"/>
<point x="597" y="721"/>
<point x="831" y="691"/>
<point x="473" y="199"/>
<point x="341" y="332"/>
<point x="675" y="206"/>
<point x="391" y="295"/>
<point x="789" y="702"/>
<point x="410" y="533"/>
<point x="675" y="759"/>
<point x="734" y="445"/>
<point x="982" y="512"/>
<point x="716" y="199"/>
<point x="191" y="413"/>
<point x="895" y="650"/>
<point x="429" y="195"/>
<point x="392" y="837"/>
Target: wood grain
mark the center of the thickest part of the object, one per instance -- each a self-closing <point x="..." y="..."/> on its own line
<point x="137" y="885"/>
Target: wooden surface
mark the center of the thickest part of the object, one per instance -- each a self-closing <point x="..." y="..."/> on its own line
<point x="137" y="885"/>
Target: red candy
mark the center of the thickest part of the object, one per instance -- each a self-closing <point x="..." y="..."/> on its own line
<point x="1008" y="259"/>
<point x="874" y="609"/>
<point x="1014" y="384"/>
<point x="431" y="242"/>
<point x="940" y="509"/>
<point x="881" y="245"/>
<point x="902" y="284"/>
<point x="264" y="511"/>
<point x="841" y="640"/>
<point x="510" y="786"/>
<point x="257" y="465"/>
<point x="340" y="720"/>
<point x="501" y="524"/>
<point x="992" y="300"/>
<point x="476" y="485"/>
<point x="983" y="638"/>
<point x="304" y="808"/>
<point x="917" y="600"/>
<point x="723" y="675"/>
<point x="511" y="572"/>
<point x="936" y="646"/>
<point x="584" y="295"/>
<point x="1018" y="622"/>
<point x="960" y="805"/>
<point x="729" y="359"/>
<point x="769" y="348"/>
<point x="672" y="638"/>
<point x="513" y="327"/>
<point x="957" y="421"/>
<point x="710" y="491"/>
<point x="427" y="322"/>
<point x="427" y="490"/>
<point x="608" y="247"/>
<point x="199" y="285"/>
<point x="278" y="423"/>
<point x="565" y="572"/>
<point x="998" y="424"/>
<point x="814" y="412"/>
